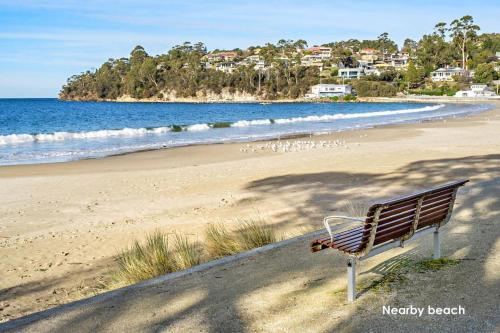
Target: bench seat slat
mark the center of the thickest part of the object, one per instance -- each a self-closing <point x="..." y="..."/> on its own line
<point x="396" y="219"/>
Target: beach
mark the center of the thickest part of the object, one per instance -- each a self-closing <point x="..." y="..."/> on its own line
<point x="61" y="224"/>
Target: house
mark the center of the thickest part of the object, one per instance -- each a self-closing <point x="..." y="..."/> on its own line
<point x="226" y="67"/>
<point x="476" y="90"/>
<point x="329" y="90"/>
<point x="368" y="54"/>
<point x="321" y="51"/>
<point x="398" y="61"/>
<point x="221" y="56"/>
<point x="351" y="73"/>
<point x="447" y="74"/>
<point x="257" y="61"/>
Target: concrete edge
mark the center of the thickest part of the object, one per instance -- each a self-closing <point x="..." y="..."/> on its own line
<point x="87" y="302"/>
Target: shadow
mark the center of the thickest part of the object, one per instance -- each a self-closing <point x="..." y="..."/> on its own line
<point x="279" y="289"/>
<point x="40" y="293"/>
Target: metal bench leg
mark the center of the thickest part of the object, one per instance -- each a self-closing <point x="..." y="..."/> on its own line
<point x="351" y="279"/>
<point x="437" y="245"/>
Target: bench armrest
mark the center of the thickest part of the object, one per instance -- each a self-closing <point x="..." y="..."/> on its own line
<point x="338" y="217"/>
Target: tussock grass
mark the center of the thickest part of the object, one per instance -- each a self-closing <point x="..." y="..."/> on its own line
<point x="252" y="234"/>
<point x="154" y="258"/>
<point x="219" y="242"/>
<point x="186" y="253"/>
<point x="145" y="261"/>
<point x="160" y="255"/>
<point x="356" y="208"/>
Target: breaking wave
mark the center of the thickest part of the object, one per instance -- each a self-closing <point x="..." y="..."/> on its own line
<point x="12" y="139"/>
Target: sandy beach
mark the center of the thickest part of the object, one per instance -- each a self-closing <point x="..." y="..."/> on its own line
<point x="62" y="224"/>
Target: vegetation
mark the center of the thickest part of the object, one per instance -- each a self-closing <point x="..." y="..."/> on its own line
<point x="399" y="272"/>
<point x="443" y="90"/>
<point x="374" y="89"/>
<point x="185" y="70"/>
<point x="251" y="234"/>
<point x="157" y="256"/>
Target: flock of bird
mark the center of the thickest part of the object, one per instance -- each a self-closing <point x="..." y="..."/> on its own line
<point x="293" y="146"/>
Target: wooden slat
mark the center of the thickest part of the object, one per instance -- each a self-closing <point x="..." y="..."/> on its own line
<point x="393" y="229"/>
<point x="395" y="220"/>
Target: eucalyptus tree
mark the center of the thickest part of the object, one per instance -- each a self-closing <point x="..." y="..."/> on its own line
<point x="463" y="31"/>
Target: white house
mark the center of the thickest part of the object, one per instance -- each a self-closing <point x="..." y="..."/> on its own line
<point x="351" y="73"/>
<point x="476" y="90"/>
<point x="447" y="74"/>
<point x="226" y="67"/>
<point x="329" y="90"/>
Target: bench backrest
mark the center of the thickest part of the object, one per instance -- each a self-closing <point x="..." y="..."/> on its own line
<point x="401" y="217"/>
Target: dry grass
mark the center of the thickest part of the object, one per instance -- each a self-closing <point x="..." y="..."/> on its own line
<point x="356" y="208"/>
<point x="145" y="261"/>
<point x="252" y="234"/>
<point x="155" y="258"/>
<point x="158" y="256"/>
<point x="186" y="253"/>
<point x="219" y="242"/>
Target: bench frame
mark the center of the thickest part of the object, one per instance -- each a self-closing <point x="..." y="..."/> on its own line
<point x="370" y="250"/>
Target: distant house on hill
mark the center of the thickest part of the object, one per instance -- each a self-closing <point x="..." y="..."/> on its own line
<point x="322" y="52"/>
<point x="329" y="90"/>
<point x="447" y="74"/>
<point x="221" y="56"/>
<point x="476" y="90"/>
<point x="351" y="73"/>
<point x="226" y="67"/>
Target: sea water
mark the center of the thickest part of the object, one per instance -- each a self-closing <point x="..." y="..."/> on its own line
<point x="50" y="130"/>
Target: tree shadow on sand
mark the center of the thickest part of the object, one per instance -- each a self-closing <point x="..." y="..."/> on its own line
<point x="218" y="301"/>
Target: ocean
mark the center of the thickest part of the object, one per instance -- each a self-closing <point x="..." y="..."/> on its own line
<point x="50" y="130"/>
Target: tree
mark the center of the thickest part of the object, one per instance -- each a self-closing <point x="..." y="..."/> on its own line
<point x="484" y="73"/>
<point x="463" y="31"/>
<point x="409" y="46"/>
<point x="411" y="76"/>
<point x="385" y="44"/>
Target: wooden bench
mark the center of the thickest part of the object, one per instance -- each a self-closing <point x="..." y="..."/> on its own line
<point x="390" y="224"/>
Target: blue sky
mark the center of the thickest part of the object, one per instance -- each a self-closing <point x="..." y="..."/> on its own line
<point x="44" y="42"/>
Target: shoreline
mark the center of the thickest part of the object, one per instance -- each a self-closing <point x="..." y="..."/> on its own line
<point x="61" y="224"/>
<point x="287" y="136"/>
<point x="396" y="99"/>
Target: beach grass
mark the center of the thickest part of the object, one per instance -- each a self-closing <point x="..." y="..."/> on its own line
<point x="186" y="253"/>
<point x="159" y="254"/>
<point x="219" y="242"/>
<point x="145" y="261"/>
<point x="255" y="233"/>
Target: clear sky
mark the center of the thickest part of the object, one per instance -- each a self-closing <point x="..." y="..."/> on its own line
<point x="44" y="42"/>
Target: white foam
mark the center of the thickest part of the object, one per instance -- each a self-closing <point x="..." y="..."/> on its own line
<point x="198" y="127"/>
<point x="328" y="117"/>
<point x="246" y="123"/>
<point x="59" y="136"/>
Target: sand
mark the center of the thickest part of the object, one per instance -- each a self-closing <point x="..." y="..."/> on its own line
<point x="62" y="224"/>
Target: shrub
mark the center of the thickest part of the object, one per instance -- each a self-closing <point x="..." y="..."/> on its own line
<point x="374" y="89"/>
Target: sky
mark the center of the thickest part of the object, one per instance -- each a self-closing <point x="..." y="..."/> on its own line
<point x="42" y="43"/>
